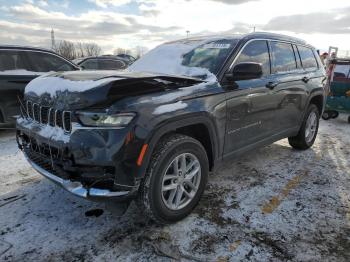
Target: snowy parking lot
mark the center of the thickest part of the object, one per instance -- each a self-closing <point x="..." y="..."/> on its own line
<point x="273" y="204"/>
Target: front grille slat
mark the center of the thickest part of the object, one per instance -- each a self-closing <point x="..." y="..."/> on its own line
<point x="67" y="121"/>
<point x="36" y="113"/>
<point x="44" y="114"/>
<point x="49" y="116"/>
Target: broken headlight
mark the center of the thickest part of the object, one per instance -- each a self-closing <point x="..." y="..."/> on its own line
<point x="105" y="120"/>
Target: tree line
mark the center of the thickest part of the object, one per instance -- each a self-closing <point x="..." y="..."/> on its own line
<point x="72" y="50"/>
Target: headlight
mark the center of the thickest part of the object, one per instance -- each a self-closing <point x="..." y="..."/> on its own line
<point x="104" y="120"/>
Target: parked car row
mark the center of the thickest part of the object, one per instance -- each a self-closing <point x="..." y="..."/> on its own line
<point x="19" y="65"/>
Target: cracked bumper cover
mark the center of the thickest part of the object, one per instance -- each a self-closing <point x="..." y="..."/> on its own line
<point x="77" y="188"/>
<point x="92" y="150"/>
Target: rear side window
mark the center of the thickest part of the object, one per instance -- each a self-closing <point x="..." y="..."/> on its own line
<point x="108" y="64"/>
<point x="14" y="60"/>
<point x="90" y="64"/>
<point x="341" y="72"/>
<point x="45" y="62"/>
<point x="307" y="56"/>
<point x="257" y="52"/>
<point x="283" y="59"/>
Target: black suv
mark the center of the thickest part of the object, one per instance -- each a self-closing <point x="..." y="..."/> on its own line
<point x="105" y="62"/>
<point x="155" y="136"/>
<point x="18" y="66"/>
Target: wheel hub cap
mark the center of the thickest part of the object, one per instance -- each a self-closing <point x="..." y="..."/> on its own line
<point x="311" y="126"/>
<point x="181" y="181"/>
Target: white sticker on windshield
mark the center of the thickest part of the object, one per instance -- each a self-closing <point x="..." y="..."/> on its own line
<point x="217" y="46"/>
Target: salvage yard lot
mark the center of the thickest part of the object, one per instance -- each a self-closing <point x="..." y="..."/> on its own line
<point x="273" y="204"/>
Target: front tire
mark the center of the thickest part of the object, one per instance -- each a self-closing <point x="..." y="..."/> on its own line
<point x="175" y="179"/>
<point x="308" y="131"/>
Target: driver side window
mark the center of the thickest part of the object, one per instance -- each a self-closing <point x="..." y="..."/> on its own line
<point x="45" y="62"/>
<point x="257" y="52"/>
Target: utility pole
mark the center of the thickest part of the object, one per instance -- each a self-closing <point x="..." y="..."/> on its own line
<point x="52" y="39"/>
<point x="187" y="33"/>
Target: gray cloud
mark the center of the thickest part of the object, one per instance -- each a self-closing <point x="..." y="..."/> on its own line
<point x="232" y="2"/>
<point x="35" y="22"/>
<point x="151" y="12"/>
<point x="332" y="22"/>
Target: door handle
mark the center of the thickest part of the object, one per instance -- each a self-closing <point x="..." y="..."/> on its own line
<point x="271" y="85"/>
<point x="305" y="79"/>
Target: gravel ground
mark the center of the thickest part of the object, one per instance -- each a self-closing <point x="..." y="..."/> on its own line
<point x="273" y="204"/>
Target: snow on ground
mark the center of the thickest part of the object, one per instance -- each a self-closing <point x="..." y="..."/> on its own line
<point x="273" y="204"/>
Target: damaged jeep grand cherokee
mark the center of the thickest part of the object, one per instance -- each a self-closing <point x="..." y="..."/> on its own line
<point x="153" y="133"/>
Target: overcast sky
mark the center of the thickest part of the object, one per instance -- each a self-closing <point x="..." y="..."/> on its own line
<point x="129" y="23"/>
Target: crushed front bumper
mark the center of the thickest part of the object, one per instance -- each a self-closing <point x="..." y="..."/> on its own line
<point x="88" y="163"/>
<point x="77" y="188"/>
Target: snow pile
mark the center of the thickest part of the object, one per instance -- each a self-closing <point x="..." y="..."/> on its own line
<point x="167" y="59"/>
<point x="53" y="85"/>
<point x="21" y="72"/>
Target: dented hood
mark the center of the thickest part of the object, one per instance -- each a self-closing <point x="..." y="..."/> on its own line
<point x="80" y="89"/>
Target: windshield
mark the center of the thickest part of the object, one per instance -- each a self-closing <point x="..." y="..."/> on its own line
<point x="194" y="58"/>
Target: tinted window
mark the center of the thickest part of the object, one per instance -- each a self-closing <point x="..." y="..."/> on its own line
<point x="307" y="57"/>
<point x="90" y="64"/>
<point x="14" y="60"/>
<point x="45" y="62"/>
<point x="111" y="64"/>
<point x="283" y="59"/>
<point x="257" y="52"/>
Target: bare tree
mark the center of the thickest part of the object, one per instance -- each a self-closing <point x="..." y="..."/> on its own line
<point x="65" y="49"/>
<point x="80" y="49"/>
<point x="91" y="49"/>
<point x="71" y="51"/>
<point x="140" y="51"/>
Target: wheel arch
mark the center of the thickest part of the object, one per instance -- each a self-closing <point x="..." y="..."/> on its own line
<point x="199" y="127"/>
<point x="318" y="100"/>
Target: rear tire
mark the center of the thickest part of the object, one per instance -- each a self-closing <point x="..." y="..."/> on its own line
<point x="171" y="187"/>
<point x="335" y="114"/>
<point x="308" y="131"/>
<point x="326" y="115"/>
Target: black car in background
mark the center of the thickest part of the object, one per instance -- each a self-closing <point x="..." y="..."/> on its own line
<point x="18" y="66"/>
<point x="105" y="62"/>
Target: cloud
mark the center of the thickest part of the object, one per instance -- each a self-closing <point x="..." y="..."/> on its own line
<point x="231" y="2"/>
<point x="336" y="21"/>
<point x="32" y="26"/>
<point x="106" y="3"/>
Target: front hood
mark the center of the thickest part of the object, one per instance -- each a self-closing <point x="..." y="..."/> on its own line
<point x="80" y="89"/>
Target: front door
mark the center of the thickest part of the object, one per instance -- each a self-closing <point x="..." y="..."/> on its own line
<point x="249" y="109"/>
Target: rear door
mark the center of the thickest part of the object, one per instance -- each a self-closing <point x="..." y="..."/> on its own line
<point x="314" y="74"/>
<point x="289" y="91"/>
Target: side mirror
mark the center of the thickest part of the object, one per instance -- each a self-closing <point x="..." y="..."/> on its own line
<point x="246" y="71"/>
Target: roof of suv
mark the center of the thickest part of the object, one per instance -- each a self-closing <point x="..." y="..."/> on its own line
<point x="26" y="48"/>
<point x="261" y="35"/>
